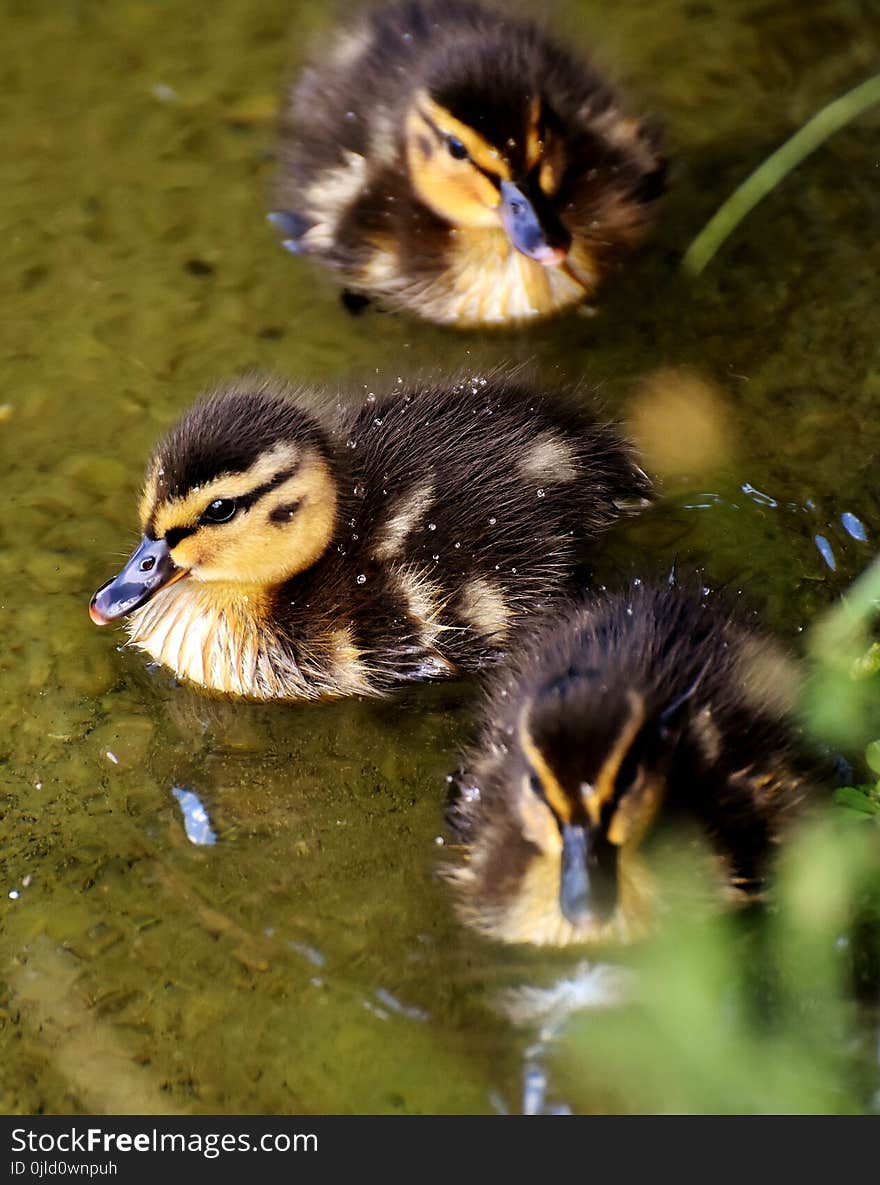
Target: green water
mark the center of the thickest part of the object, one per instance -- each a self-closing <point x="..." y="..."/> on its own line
<point x="310" y="961"/>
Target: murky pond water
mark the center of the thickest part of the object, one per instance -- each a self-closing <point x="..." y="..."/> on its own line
<point x="309" y="960"/>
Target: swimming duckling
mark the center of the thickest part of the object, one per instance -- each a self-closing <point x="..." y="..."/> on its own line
<point x="628" y="712"/>
<point x="454" y="162"/>
<point x="295" y="554"/>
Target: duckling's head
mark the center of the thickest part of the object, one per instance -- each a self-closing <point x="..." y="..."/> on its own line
<point x="492" y="144"/>
<point x="240" y="492"/>
<point x="475" y="171"/>
<point x="579" y="786"/>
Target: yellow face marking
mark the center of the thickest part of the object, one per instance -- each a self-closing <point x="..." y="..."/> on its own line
<point x="557" y="799"/>
<point x="530" y="912"/>
<point x="534" y="144"/>
<point x="603" y="789"/>
<point x="552" y="165"/>
<point x="636" y="812"/>
<point x="481" y="152"/>
<point x="456" y="190"/>
<point x="282" y="533"/>
<point x="545" y="152"/>
<point x="185" y="512"/>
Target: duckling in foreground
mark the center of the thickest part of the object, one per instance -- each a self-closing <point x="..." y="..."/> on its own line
<point x="293" y="553"/>
<point x="454" y="162"/>
<point x="628" y="711"/>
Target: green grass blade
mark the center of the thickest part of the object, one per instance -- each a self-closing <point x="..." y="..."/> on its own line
<point x="775" y="169"/>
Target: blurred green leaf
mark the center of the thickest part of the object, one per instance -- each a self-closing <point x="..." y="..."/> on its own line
<point x="856" y="798"/>
<point x="872" y="756"/>
<point x="868" y="663"/>
<point x="743" y="1012"/>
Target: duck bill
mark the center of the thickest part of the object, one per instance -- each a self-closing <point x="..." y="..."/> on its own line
<point x="149" y="569"/>
<point x="531" y="223"/>
<point x="574" y="885"/>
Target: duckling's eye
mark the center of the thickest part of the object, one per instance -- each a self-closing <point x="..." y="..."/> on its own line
<point x="536" y="787"/>
<point x="219" y="511"/>
<point x="456" y="148"/>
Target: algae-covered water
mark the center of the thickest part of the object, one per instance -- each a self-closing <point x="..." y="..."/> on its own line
<point x="310" y="960"/>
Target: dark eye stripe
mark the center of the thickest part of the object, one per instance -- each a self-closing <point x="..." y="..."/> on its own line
<point x="443" y="139"/>
<point x="174" y="536"/>
<point x="285" y="512"/>
<point x="242" y="501"/>
<point x="247" y="500"/>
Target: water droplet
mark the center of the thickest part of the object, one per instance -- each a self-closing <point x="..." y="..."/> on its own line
<point x="492" y="521"/>
<point x="351" y="443"/>
<point x="14" y="894"/>
<point x="435" y="557"/>
<point x="432" y="526"/>
<point x="371" y="398"/>
<point x="540" y="493"/>
<point x="362" y="579"/>
<point x="359" y="490"/>
<point x="513" y="570"/>
<point x="456" y="546"/>
<point x="378" y="421"/>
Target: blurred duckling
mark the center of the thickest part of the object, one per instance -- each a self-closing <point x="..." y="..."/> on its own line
<point x="627" y="713"/>
<point x="295" y="553"/>
<point x="454" y="162"/>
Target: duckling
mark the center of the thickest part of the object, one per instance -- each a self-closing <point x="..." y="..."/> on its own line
<point x="452" y="161"/>
<point x="627" y="712"/>
<point x="292" y="553"/>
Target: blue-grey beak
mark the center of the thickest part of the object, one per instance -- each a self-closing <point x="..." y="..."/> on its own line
<point x="588" y="879"/>
<point x="574" y="885"/>
<point x="532" y="224"/>
<point x="149" y="569"/>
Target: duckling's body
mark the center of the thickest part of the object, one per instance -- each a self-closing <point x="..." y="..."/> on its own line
<point x="455" y="163"/>
<point x="296" y="554"/>
<point x="628" y="712"/>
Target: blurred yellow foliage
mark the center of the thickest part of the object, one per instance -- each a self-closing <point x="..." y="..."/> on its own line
<point x="680" y="423"/>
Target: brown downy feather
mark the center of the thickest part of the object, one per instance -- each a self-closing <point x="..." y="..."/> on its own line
<point x="373" y="184"/>
<point x="627" y="713"/>
<point x="351" y="549"/>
